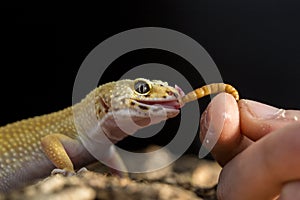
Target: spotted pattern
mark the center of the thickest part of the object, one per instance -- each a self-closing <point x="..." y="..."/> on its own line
<point x="20" y="142"/>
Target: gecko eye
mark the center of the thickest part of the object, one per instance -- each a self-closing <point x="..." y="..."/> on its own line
<point x="142" y="87"/>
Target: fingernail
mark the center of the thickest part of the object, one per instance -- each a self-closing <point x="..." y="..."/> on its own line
<point x="204" y="123"/>
<point x="208" y="134"/>
<point x="262" y="111"/>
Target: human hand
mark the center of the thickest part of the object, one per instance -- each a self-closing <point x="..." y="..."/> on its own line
<point x="258" y="147"/>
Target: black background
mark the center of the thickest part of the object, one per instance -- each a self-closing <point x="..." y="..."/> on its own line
<point x="255" y="44"/>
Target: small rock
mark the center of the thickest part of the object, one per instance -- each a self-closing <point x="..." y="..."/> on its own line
<point x="206" y="174"/>
<point x="74" y="193"/>
<point x="52" y="184"/>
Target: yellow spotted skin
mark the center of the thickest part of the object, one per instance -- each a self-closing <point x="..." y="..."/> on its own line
<point x="32" y="148"/>
<point x="210" y="89"/>
<point x="20" y="144"/>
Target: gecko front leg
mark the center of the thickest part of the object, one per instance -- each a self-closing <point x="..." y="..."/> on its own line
<point x="61" y="150"/>
<point x="54" y="149"/>
<point x="65" y="153"/>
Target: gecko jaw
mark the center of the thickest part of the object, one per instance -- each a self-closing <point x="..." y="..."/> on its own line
<point x="171" y="105"/>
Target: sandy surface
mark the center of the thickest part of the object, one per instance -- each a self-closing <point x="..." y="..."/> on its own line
<point x="187" y="178"/>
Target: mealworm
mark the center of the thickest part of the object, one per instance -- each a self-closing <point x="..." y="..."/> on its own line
<point x="210" y="89"/>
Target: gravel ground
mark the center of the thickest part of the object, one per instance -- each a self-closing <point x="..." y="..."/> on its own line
<point x="187" y="178"/>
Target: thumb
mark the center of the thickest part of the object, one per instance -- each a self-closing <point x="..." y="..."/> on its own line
<point x="258" y="119"/>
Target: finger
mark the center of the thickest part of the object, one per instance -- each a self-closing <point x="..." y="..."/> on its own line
<point x="256" y="120"/>
<point x="260" y="170"/>
<point x="290" y="191"/>
<point x="259" y="119"/>
<point x="220" y="123"/>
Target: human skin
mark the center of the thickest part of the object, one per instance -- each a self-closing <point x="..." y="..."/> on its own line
<point x="258" y="147"/>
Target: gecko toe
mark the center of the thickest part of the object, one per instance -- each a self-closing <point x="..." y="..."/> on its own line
<point x="62" y="172"/>
<point x="82" y="170"/>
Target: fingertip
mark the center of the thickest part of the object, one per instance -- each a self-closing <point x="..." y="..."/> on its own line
<point x="220" y="130"/>
<point x="258" y="119"/>
<point x="221" y="114"/>
<point x="252" y="114"/>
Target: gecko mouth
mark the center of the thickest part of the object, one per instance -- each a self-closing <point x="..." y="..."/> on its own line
<point x="171" y="108"/>
<point x="168" y="104"/>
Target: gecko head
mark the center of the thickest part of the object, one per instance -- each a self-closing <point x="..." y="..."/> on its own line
<point x="155" y="97"/>
<point x="140" y="94"/>
<point x="125" y="106"/>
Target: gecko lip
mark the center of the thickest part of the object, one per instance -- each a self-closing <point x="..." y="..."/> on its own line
<point x="168" y="104"/>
